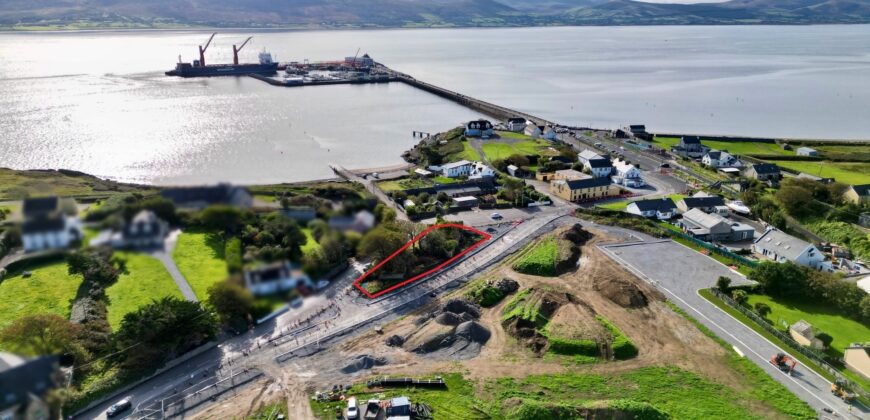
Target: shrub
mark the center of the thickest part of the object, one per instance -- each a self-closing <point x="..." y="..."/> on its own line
<point x="571" y="347"/>
<point x="233" y="255"/>
<point x="622" y="346"/>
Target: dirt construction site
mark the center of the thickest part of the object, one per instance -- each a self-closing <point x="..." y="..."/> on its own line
<point x="453" y="334"/>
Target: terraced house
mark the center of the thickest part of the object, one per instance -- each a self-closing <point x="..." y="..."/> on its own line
<point x="584" y="189"/>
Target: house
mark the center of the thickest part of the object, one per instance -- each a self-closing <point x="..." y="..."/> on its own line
<point x="714" y="228"/>
<point x="198" y="198"/>
<point x="544" y="176"/>
<point x="516" y="124"/>
<point x="777" y="246"/>
<point x="360" y="222"/>
<point x="638" y="131"/>
<point x="584" y="189"/>
<point x="533" y="130"/>
<point x="661" y="208"/>
<point x="704" y="202"/>
<point x="466" y="201"/>
<point x="599" y="166"/>
<point x="764" y="172"/>
<point x="549" y="133"/>
<point x="480" y="170"/>
<point x="24" y="385"/>
<point x="807" y="151"/>
<point x="276" y="277"/>
<point x="513" y="170"/>
<point x="857" y="194"/>
<point x="457" y="169"/>
<point x="802" y="332"/>
<point x="627" y="175"/>
<point x="301" y="214"/>
<point x="422" y="173"/>
<point x="479" y="128"/>
<point x="46" y="226"/>
<point x="720" y="159"/>
<point x="857" y="358"/>
<point x="690" y="146"/>
<point x="145" y="230"/>
<point x="570" y="175"/>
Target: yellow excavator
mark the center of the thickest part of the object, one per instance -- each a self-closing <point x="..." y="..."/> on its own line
<point x="838" y="388"/>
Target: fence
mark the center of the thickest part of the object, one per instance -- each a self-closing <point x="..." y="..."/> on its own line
<point x="812" y="354"/>
<point x="713" y="248"/>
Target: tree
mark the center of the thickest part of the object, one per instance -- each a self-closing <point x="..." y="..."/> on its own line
<point x="333" y="248"/>
<point x="513" y="188"/>
<point x="222" y="218"/>
<point x="380" y="242"/>
<point x="723" y="284"/>
<point x="318" y="228"/>
<point x="37" y="335"/>
<point x="865" y="309"/>
<point x="96" y="266"/>
<point x="163" y="330"/>
<point x="232" y="302"/>
<point x="780" y="279"/>
<point x="762" y="309"/>
<point x="824" y="338"/>
<point x="740" y="296"/>
<point x="796" y="200"/>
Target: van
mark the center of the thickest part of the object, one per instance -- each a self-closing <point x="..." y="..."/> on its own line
<point x="352" y="409"/>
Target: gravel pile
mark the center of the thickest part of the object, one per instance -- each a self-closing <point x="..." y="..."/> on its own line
<point x="363" y="362"/>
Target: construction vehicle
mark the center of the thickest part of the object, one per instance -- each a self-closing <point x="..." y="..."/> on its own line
<point x="839" y="389"/>
<point x="784" y="362"/>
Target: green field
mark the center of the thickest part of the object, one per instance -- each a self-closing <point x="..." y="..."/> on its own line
<point x="19" y="184"/>
<point x="854" y="173"/>
<point x="145" y="280"/>
<point x="540" y="260"/>
<point x="844" y="330"/>
<point x="646" y="393"/>
<point x="401" y="184"/>
<point x="50" y="290"/>
<point x="467" y="153"/>
<point x="733" y="147"/>
<point x="501" y="150"/>
<point x="200" y="258"/>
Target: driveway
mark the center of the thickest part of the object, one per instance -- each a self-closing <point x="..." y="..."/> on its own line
<point x="165" y="257"/>
<point x="680" y="272"/>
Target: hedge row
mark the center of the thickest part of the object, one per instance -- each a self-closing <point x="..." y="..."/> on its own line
<point x="622" y="346"/>
<point x="571" y="347"/>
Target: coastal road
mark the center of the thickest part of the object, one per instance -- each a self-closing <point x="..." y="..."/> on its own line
<point x="371" y="187"/>
<point x="680" y="272"/>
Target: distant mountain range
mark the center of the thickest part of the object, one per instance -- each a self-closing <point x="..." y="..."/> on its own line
<point x="47" y="14"/>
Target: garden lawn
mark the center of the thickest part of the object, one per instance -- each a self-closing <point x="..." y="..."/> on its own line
<point x="444" y="180"/>
<point x="144" y="281"/>
<point x="748" y="148"/>
<point x="311" y="244"/>
<point x="49" y="290"/>
<point x="666" y="142"/>
<point x="401" y="184"/>
<point x="501" y="150"/>
<point x="468" y="153"/>
<point x="844" y="330"/>
<point x="618" y="205"/>
<point x="854" y="173"/>
<point x="200" y="258"/>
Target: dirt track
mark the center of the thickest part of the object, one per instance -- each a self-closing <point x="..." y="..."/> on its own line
<point x="663" y="338"/>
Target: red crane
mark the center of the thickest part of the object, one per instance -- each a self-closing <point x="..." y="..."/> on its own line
<point x="202" y="50"/>
<point x="236" y="51"/>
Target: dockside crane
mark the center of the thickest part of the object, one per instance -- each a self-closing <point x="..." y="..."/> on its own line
<point x="202" y="50"/>
<point x="236" y="51"/>
<point x="355" y="56"/>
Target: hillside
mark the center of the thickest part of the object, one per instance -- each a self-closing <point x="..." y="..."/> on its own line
<point x="53" y="14"/>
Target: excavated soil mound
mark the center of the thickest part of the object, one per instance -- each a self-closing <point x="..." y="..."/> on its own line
<point x="543" y="305"/>
<point x="460" y="306"/>
<point x="507" y="286"/>
<point x="395" y="340"/>
<point x="448" y="318"/>
<point x="577" y="235"/>
<point x="363" y="362"/>
<point x="473" y="331"/>
<point x="622" y="293"/>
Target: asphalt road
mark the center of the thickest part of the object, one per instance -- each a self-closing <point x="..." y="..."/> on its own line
<point x="680" y="272"/>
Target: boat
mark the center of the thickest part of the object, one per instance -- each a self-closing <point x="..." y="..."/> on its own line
<point x="265" y="67"/>
<point x="738" y="207"/>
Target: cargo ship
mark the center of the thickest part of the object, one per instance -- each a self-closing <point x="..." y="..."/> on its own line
<point x="198" y="68"/>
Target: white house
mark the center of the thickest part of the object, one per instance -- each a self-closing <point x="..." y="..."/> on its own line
<point x="780" y="247"/>
<point x="144" y="230"/>
<point x="456" y="169"/>
<point x="599" y="166"/>
<point x="512" y="170"/>
<point x="480" y="170"/>
<point x="478" y="128"/>
<point x="516" y="124"/>
<point x="46" y="226"/>
<point x="721" y="159"/>
<point x="626" y="174"/>
<point x="274" y="278"/>
<point x="662" y="208"/>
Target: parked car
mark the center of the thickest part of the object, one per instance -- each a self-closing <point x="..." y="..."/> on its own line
<point x="496" y="216"/>
<point x="352" y="409"/>
<point x="119" y="407"/>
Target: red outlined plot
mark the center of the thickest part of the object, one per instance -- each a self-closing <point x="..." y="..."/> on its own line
<point x="358" y="283"/>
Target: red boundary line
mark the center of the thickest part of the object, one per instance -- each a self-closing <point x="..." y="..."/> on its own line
<point x="358" y="281"/>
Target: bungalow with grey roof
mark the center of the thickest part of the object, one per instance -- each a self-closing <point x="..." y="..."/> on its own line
<point x="778" y="246"/>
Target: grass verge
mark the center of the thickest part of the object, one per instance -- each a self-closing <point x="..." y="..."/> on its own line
<point x="200" y="258"/>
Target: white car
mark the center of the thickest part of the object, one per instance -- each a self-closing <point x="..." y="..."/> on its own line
<point x="739" y="207"/>
<point x="322" y="284"/>
<point x="495" y="216"/>
<point x="119" y="407"/>
<point x="352" y="409"/>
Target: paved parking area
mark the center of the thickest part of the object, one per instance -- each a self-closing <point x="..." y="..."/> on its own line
<point x="477" y="217"/>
